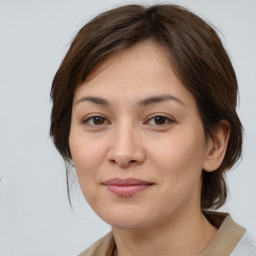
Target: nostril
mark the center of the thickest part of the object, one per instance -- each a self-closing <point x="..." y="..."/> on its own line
<point x="112" y="161"/>
<point x="123" y="164"/>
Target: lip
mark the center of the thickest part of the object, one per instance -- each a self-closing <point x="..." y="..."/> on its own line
<point x="126" y="187"/>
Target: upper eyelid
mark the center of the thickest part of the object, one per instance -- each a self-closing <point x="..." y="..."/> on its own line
<point x="93" y="115"/>
<point x="162" y="115"/>
<point x="87" y="118"/>
<point x="169" y="121"/>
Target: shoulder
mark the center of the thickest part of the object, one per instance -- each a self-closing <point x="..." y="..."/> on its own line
<point x="231" y="238"/>
<point x="246" y="246"/>
<point x="104" y="247"/>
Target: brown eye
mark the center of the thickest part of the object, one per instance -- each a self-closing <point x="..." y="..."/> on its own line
<point x="95" y="120"/>
<point x="98" y="120"/>
<point x="160" y="120"/>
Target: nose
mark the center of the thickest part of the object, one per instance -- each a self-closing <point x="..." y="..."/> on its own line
<point x="126" y="148"/>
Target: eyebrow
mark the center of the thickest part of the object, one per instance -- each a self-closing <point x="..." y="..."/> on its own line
<point x="144" y="102"/>
<point x="96" y="100"/>
<point x="160" y="98"/>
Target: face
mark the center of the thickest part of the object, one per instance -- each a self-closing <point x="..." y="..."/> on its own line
<point x="137" y="140"/>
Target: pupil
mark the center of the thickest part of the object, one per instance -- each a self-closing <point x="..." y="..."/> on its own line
<point x="98" y="120"/>
<point x="160" y="120"/>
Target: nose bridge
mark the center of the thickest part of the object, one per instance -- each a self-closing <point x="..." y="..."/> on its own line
<point x="125" y="147"/>
<point x="124" y="135"/>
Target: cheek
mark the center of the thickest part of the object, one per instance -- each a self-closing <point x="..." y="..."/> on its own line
<point x="179" y="159"/>
<point x="87" y="156"/>
<point x="86" y="159"/>
<point x="179" y="165"/>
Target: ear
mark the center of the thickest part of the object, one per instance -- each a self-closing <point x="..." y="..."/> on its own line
<point x="216" y="147"/>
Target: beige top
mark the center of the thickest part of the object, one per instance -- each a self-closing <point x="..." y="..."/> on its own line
<point x="225" y="240"/>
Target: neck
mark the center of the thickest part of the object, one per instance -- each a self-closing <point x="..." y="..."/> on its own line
<point x="186" y="234"/>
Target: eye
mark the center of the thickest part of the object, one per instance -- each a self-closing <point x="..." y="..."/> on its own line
<point x="160" y="120"/>
<point x="95" y="121"/>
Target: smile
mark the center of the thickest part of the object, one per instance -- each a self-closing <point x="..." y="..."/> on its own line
<point x="127" y="187"/>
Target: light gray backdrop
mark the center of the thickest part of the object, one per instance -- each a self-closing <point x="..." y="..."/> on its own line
<point x="35" y="217"/>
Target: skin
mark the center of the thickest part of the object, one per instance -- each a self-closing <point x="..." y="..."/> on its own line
<point x="129" y="140"/>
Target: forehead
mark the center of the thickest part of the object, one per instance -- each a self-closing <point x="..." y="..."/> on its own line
<point x="147" y="49"/>
<point x="142" y="70"/>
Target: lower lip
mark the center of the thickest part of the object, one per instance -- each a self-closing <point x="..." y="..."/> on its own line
<point x="127" y="190"/>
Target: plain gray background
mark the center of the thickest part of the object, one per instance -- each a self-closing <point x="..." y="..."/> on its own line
<point x="35" y="217"/>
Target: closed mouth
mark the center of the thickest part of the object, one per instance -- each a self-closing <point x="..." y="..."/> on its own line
<point x="126" y="187"/>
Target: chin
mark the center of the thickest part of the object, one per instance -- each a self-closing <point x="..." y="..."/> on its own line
<point x="129" y="226"/>
<point x="128" y="220"/>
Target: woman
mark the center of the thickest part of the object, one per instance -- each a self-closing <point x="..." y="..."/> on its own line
<point x="144" y="108"/>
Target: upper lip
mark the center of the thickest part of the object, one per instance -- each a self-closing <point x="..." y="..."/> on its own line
<point x="129" y="181"/>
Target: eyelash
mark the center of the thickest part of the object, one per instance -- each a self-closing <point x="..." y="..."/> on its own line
<point x="167" y="120"/>
<point x="92" y="118"/>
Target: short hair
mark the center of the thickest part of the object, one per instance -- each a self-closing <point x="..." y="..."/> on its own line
<point x="197" y="57"/>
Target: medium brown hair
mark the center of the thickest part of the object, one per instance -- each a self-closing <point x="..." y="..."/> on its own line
<point x="196" y="54"/>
